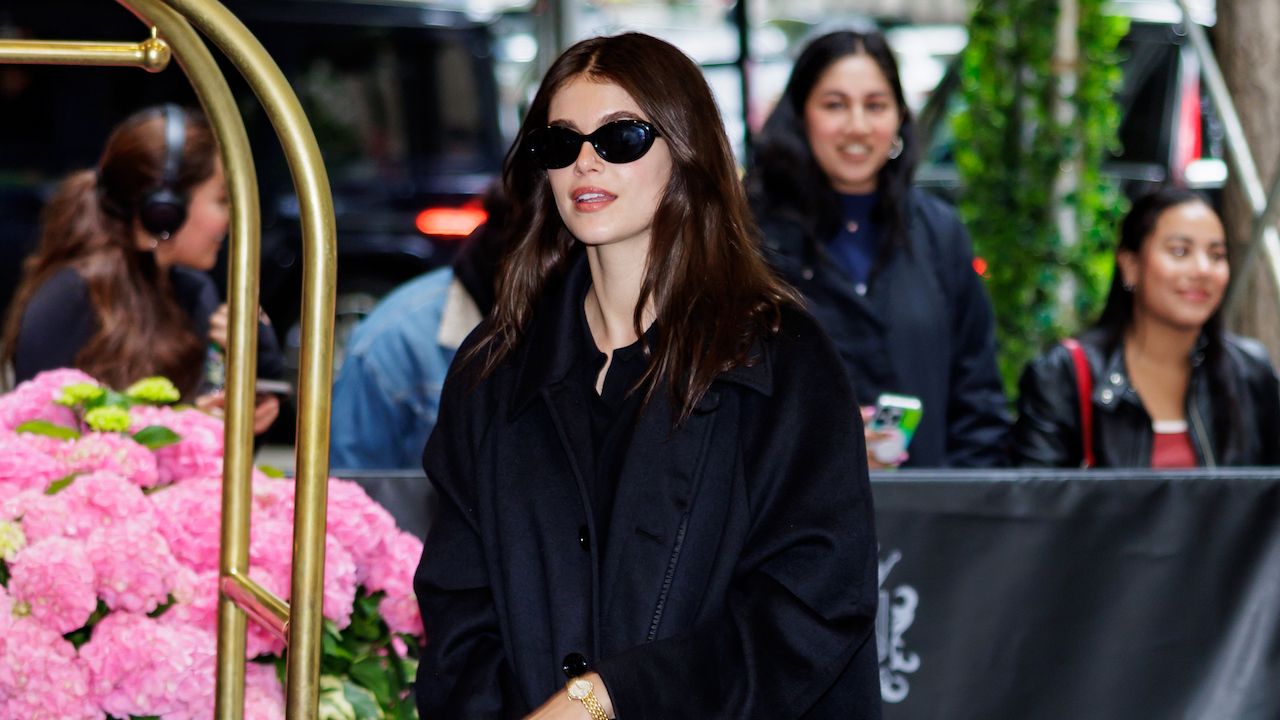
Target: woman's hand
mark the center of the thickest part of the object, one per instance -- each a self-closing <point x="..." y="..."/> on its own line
<point x="218" y="326"/>
<point x="219" y="323"/>
<point x="561" y="707"/>
<point x="265" y="411"/>
<point x="884" y="447"/>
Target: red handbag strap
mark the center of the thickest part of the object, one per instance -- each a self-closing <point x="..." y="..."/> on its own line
<point x="1084" y="387"/>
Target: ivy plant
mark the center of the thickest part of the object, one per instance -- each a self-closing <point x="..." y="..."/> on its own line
<point x="1010" y="147"/>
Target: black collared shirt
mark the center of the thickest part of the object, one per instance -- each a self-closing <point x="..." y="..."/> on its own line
<point x="611" y="414"/>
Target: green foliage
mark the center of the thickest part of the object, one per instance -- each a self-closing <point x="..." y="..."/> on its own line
<point x="155" y="437"/>
<point x="1009" y="150"/>
<point x="362" y="676"/>
<point x="48" y="429"/>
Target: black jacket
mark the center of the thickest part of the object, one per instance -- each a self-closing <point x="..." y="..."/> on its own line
<point x="924" y="328"/>
<point x="739" y="574"/>
<point x="1048" y="432"/>
<point x="59" y="320"/>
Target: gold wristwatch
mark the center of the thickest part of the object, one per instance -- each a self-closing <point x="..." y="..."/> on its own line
<point x="583" y="691"/>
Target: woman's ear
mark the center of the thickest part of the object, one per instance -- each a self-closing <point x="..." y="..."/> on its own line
<point x="1127" y="266"/>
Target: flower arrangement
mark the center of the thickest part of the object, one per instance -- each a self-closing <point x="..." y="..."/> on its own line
<point x="109" y="534"/>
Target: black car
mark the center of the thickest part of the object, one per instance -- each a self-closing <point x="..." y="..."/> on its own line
<point x="401" y="95"/>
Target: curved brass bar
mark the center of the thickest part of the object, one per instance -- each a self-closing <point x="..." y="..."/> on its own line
<point x="242" y="186"/>
<point x="265" y="608"/>
<point x="151" y="54"/>
<point x="316" y="377"/>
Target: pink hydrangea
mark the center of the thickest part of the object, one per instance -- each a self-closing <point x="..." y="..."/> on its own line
<point x="393" y="570"/>
<point x="272" y="497"/>
<point x="56" y="579"/>
<point x="25" y="464"/>
<point x="90" y="502"/>
<point x="392" y="573"/>
<point x="111" y="452"/>
<point x="270" y="552"/>
<point x="191" y="513"/>
<point x="139" y="666"/>
<point x="134" y="567"/>
<point x="34" y="399"/>
<point x="6" y="611"/>
<point x="360" y="525"/>
<point x="41" y="677"/>
<point x="263" y="693"/>
<point x="197" y="454"/>
<point x="195" y="596"/>
<point x="401" y="614"/>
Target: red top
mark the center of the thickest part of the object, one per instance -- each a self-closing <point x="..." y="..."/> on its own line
<point x="1172" y="449"/>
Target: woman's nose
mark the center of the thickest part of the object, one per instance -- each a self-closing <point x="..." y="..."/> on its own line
<point x="587" y="158"/>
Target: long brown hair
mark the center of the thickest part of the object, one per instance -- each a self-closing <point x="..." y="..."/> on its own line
<point x="713" y="294"/>
<point x="89" y="227"/>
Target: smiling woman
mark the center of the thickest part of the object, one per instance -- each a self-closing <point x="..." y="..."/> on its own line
<point x="1166" y="386"/>
<point x="650" y="466"/>
<point x="885" y="268"/>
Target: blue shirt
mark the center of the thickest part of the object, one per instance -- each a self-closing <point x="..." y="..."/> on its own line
<point x="855" y="245"/>
<point x="387" y="395"/>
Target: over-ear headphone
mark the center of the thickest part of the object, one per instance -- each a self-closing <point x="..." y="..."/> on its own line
<point x="164" y="209"/>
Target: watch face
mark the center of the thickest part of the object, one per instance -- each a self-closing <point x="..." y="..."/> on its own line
<point x="579" y="689"/>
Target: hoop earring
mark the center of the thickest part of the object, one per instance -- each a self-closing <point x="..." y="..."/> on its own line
<point x="895" y="148"/>
<point x="154" y="244"/>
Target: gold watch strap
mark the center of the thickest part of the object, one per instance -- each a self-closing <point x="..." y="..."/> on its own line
<point x="593" y="706"/>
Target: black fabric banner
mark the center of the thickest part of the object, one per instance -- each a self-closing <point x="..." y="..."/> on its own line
<point x="1079" y="595"/>
<point x="1091" y="595"/>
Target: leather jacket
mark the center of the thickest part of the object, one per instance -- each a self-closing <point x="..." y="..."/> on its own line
<point x="1047" y="433"/>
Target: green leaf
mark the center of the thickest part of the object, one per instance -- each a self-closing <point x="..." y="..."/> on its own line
<point x="48" y="429"/>
<point x="362" y="701"/>
<point x="61" y="484"/>
<point x="163" y="607"/>
<point x="372" y="674"/>
<point x="155" y="437"/>
<point x="271" y="471"/>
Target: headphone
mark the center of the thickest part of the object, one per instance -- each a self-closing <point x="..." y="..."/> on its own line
<point x="164" y="209"/>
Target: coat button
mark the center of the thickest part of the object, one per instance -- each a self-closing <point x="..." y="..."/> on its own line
<point x="1116" y="378"/>
<point x="584" y="540"/>
<point x="1107" y="395"/>
<point x="575" y="664"/>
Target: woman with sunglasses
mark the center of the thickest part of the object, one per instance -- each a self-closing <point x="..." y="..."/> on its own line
<point x="1167" y="386"/>
<point x="652" y="481"/>
<point x="886" y="269"/>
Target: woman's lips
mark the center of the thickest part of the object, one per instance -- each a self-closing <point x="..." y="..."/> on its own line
<point x="591" y="199"/>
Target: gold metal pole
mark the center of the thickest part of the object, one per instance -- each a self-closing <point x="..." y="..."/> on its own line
<point x="242" y="186"/>
<point x="315" y="381"/>
<point x="151" y="54"/>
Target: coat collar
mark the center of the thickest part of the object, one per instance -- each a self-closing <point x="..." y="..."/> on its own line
<point x="548" y="352"/>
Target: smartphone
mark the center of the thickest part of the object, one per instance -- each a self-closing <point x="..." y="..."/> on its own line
<point x="272" y="387"/>
<point x="899" y="414"/>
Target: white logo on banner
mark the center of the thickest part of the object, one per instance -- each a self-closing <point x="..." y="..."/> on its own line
<point x="897" y="612"/>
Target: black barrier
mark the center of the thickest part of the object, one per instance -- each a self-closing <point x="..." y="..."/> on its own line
<point x="1043" y="595"/>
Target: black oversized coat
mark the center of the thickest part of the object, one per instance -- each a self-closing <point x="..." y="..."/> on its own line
<point x="925" y="328"/>
<point x="739" y="573"/>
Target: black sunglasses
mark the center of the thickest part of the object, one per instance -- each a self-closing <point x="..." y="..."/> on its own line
<point x="617" y="142"/>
